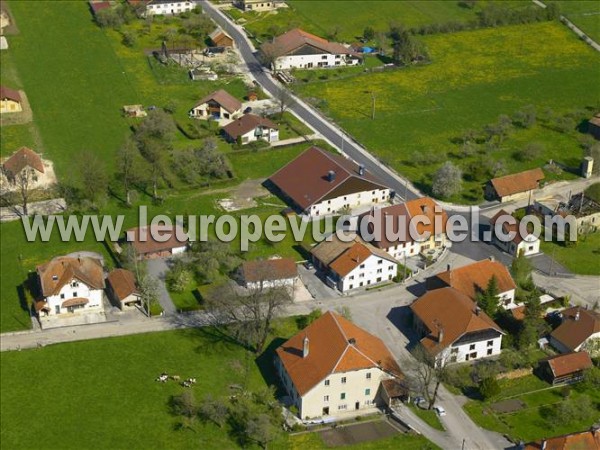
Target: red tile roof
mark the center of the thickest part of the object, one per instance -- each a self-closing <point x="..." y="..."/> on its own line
<point x="24" y="157"/>
<point x="76" y="301"/>
<point x="142" y="240"/>
<point x="9" y="94"/>
<point x="571" y="332"/>
<point x="269" y="270"/>
<point x="223" y="98"/>
<point x="569" y="363"/>
<point x="62" y="270"/>
<point x="452" y="312"/>
<point x="99" y="5"/>
<point x="296" y="38"/>
<point x="247" y="123"/>
<point x="123" y="283"/>
<point x="517" y="182"/>
<point x="335" y="345"/>
<point x="474" y="278"/>
<point x="584" y="440"/>
<point x="305" y="179"/>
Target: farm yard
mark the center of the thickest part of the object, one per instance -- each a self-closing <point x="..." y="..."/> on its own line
<point x="528" y="407"/>
<point x="474" y="77"/>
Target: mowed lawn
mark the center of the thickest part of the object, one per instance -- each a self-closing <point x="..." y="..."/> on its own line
<point x="102" y="394"/>
<point x="582" y="258"/>
<point x="585" y="14"/>
<point x="74" y="82"/>
<point x="473" y="78"/>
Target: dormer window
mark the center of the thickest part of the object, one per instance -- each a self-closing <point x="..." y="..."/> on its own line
<point x="54" y="277"/>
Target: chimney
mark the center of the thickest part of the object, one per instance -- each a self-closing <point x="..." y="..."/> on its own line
<point x="491" y="258"/>
<point x="449" y="267"/>
<point x="361" y="170"/>
<point x="305" y="347"/>
<point x="331" y="176"/>
<point x="544" y="444"/>
<point x="352" y="341"/>
<point x="440" y="333"/>
<point x="477" y="310"/>
<point x="576" y="316"/>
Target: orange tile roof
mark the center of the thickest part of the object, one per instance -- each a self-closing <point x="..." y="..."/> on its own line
<point x="350" y="259"/>
<point x="76" y="301"/>
<point x="223" y="98"/>
<point x="122" y="282"/>
<point x="473" y="278"/>
<point x="146" y="244"/>
<point x="569" y="363"/>
<point x="584" y="440"/>
<point x="452" y="312"/>
<point x="296" y="38"/>
<point x="517" y="182"/>
<point x="62" y="270"/>
<point x="336" y="345"/>
<point x="269" y="269"/>
<point x="572" y="333"/>
<point x="24" y="157"/>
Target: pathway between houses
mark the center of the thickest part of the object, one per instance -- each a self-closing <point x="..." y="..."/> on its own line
<point x="157" y="269"/>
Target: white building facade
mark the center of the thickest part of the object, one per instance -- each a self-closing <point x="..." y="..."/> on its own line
<point x="169" y="7"/>
<point x="310" y="61"/>
<point x="336" y="204"/>
<point x="373" y="270"/>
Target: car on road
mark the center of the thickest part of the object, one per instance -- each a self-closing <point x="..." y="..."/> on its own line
<point x="419" y="401"/>
<point x="439" y="410"/>
<point x="309" y="265"/>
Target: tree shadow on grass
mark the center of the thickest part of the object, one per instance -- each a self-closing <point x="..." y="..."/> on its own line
<point x="265" y="364"/>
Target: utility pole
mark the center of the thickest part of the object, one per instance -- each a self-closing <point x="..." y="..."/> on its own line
<point x="372" y="105"/>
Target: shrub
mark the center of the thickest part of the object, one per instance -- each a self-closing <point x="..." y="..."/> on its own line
<point x="489" y="387"/>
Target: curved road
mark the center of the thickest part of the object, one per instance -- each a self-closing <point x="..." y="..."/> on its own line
<point x="333" y="134"/>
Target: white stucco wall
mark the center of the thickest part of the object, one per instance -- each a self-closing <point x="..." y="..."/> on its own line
<point x="166" y="9"/>
<point x="289" y="282"/>
<point x="313" y="61"/>
<point x="475" y="350"/>
<point x="334" y="205"/>
<point x="372" y="271"/>
<point x="201" y="112"/>
<point x="269" y="135"/>
<point x="69" y="291"/>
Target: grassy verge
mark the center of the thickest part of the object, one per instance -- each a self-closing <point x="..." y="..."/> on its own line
<point x="428" y="416"/>
<point x="580" y="258"/>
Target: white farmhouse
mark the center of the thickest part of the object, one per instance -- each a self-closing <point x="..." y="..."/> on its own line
<point x="165" y="7"/>
<point x="251" y="128"/>
<point x="268" y="273"/>
<point x="298" y="49"/>
<point x="70" y="285"/>
<point x="354" y="264"/>
<point x="473" y="279"/>
<point x="334" y="368"/>
<point x="526" y="245"/>
<point x="319" y="183"/>
<point x="453" y="328"/>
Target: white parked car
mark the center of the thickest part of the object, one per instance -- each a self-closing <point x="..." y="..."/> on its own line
<point x="440" y="410"/>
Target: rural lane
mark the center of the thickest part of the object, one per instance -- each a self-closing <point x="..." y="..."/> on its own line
<point x="307" y="114"/>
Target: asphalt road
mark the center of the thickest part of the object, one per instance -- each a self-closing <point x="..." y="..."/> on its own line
<point x="307" y="114"/>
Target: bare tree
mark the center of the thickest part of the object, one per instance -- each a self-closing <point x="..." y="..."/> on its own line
<point x="425" y="373"/>
<point x="24" y="181"/>
<point x="447" y="181"/>
<point x="249" y="314"/>
<point x="147" y="286"/>
<point x="93" y="180"/>
<point x="126" y="160"/>
<point x="285" y="100"/>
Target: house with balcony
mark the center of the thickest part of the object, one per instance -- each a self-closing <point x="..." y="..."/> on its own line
<point x="335" y="369"/>
<point x="453" y="328"/>
<point x="69" y="285"/>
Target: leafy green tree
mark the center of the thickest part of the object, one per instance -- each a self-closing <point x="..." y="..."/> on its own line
<point x="489" y="387"/>
<point x="488" y="299"/>
<point x="369" y="34"/>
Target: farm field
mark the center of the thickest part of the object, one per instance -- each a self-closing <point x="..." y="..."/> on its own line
<point x="585" y="14"/>
<point x="346" y="20"/>
<point x="473" y="78"/>
<point x="532" y="422"/>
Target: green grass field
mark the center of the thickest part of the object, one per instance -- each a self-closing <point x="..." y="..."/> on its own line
<point x="473" y="78"/>
<point x="581" y="258"/>
<point x="313" y="441"/>
<point x="346" y="20"/>
<point x="584" y="14"/>
<point x="530" y="423"/>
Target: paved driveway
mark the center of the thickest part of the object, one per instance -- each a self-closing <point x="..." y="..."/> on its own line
<point x="157" y="269"/>
<point x="315" y="285"/>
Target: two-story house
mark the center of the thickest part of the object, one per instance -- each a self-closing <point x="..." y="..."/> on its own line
<point x="354" y="264"/>
<point x="219" y="106"/>
<point x="319" y="183"/>
<point x="523" y="243"/>
<point x="162" y="7"/>
<point x="454" y="328"/>
<point x="298" y="49"/>
<point x="473" y="279"/>
<point x="406" y="229"/>
<point x="335" y="368"/>
<point x="70" y="284"/>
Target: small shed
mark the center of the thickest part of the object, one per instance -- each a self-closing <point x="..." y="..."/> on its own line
<point x="565" y="369"/>
<point x="134" y="111"/>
